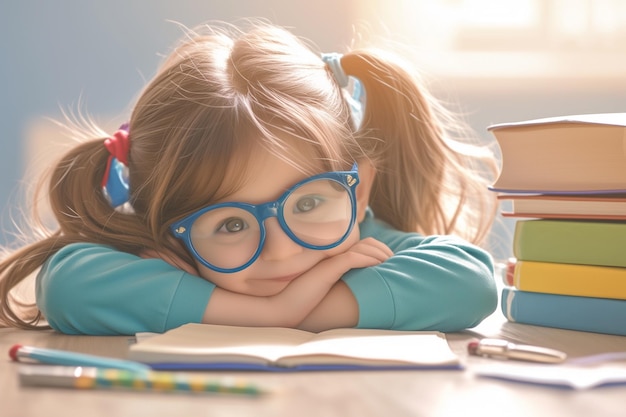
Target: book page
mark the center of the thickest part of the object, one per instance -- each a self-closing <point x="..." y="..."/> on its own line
<point x="373" y="348"/>
<point x="211" y="343"/>
<point x="203" y="343"/>
<point x="615" y="119"/>
<point x="576" y="377"/>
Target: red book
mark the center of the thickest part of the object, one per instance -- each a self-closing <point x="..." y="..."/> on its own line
<point x="509" y="274"/>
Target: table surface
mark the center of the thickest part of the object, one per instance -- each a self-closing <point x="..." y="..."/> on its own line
<point x="348" y="393"/>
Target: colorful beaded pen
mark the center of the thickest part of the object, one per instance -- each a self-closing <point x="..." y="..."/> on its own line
<point x="101" y="378"/>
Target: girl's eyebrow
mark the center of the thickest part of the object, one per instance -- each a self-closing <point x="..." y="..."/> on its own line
<point x="283" y="190"/>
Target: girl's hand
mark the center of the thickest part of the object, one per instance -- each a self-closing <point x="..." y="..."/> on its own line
<point x="291" y="306"/>
<point x="339" y="308"/>
<point x="364" y="253"/>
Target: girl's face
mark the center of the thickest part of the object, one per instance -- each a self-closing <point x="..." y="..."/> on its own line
<point x="281" y="260"/>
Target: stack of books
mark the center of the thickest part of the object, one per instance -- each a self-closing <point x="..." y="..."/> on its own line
<point x="565" y="179"/>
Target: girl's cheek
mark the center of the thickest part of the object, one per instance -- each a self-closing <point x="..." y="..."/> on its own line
<point x="351" y="240"/>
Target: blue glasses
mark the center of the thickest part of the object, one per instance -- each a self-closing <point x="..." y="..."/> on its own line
<point x="317" y="213"/>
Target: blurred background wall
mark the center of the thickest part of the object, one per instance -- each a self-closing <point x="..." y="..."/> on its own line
<point x="493" y="60"/>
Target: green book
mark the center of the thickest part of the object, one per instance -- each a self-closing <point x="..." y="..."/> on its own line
<point x="571" y="241"/>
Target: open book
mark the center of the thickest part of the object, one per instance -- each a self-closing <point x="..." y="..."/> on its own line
<point x="204" y="346"/>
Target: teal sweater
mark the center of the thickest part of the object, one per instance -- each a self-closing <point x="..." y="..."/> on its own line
<point x="430" y="283"/>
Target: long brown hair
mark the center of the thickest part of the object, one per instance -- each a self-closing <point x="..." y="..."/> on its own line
<point x="219" y="96"/>
<point x="432" y="176"/>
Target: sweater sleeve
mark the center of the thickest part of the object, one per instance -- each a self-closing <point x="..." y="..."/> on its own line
<point x="97" y="290"/>
<point x="430" y="283"/>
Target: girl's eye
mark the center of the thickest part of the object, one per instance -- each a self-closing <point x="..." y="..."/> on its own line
<point x="307" y="204"/>
<point x="233" y="225"/>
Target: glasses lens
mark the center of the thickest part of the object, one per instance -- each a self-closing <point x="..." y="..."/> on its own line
<point x="226" y="237"/>
<point x="319" y="212"/>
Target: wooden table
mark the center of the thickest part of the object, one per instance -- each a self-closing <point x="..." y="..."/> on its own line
<point x="319" y="394"/>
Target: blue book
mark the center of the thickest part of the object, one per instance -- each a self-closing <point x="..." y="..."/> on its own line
<point x="588" y="314"/>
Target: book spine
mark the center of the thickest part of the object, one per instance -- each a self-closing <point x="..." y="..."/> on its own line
<point x="570" y="279"/>
<point x="570" y="242"/>
<point x="598" y="315"/>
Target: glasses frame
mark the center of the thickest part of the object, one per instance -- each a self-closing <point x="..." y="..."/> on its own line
<point x="181" y="229"/>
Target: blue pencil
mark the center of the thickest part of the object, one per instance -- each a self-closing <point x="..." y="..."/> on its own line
<point x="61" y="357"/>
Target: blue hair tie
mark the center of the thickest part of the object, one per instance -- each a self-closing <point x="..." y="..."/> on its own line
<point x="354" y="93"/>
<point x="333" y="60"/>
<point x="116" y="188"/>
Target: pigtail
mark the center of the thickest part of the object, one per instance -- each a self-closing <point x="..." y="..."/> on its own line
<point x="82" y="214"/>
<point x="426" y="180"/>
<point x="79" y="205"/>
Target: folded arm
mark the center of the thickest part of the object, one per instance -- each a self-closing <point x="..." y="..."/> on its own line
<point x="434" y="283"/>
<point x="291" y="306"/>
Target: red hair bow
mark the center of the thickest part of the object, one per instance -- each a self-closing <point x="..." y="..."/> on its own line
<point x="119" y="146"/>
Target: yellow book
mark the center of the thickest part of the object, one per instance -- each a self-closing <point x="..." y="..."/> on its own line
<point x="569" y="279"/>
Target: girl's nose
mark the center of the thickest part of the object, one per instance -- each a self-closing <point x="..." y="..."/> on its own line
<point x="278" y="245"/>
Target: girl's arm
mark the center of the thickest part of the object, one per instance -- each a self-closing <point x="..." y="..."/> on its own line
<point x="436" y="283"/>
<point x="430" y="283"/>
<point x="338" y="309"/>
<point x="86" y="288"/>
<point x="94" y="289"/>
<point x="300" y="298"/>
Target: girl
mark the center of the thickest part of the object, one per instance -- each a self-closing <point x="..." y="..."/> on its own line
<point x="250" y="189"/>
